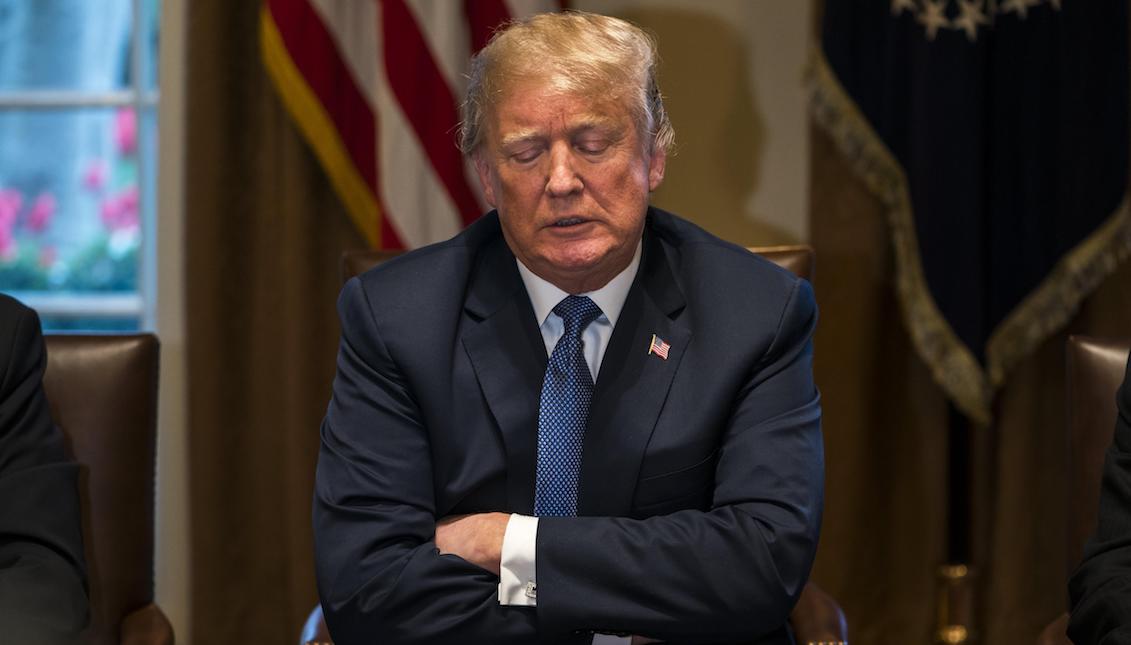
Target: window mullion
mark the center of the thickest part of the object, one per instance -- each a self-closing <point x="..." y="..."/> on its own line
<point x="65" y="99"/>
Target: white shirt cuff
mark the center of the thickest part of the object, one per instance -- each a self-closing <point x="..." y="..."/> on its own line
<point x="518" y="584"/>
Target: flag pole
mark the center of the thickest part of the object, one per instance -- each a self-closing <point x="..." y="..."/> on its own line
<point x="956" y="578"/>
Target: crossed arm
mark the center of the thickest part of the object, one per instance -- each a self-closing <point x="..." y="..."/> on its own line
<point x="478" y="538"/>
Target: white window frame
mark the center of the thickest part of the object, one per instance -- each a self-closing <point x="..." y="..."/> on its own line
<point x="142" y="304"/>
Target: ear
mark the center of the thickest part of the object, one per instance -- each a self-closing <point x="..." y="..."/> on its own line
<point x="483" y="169"/>
<point x="657" y="163"/>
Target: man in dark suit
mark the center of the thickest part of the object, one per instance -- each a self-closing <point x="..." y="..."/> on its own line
<point x="42" y="573"/>
<point x="581" y="414"/>
<point x="1101" y="586"/>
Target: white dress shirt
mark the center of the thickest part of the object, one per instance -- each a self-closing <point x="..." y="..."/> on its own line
<point x="518" y="578"/>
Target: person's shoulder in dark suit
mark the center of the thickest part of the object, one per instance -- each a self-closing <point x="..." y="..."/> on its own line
<point x="1101" y="586"/>
<point x="43" y="597"/>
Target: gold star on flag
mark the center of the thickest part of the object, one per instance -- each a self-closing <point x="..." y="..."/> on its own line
<point x="971" y="17"/>
<point x="898" y="6"/>
<point x="933" y="16"/>
<point x="1020" y="6"/>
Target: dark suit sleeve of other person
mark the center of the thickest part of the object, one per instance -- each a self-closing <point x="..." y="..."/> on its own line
<point x="1101" y="586"/>
<point x="42" y="574"/>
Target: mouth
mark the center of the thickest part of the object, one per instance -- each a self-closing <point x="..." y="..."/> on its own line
<point x="566" y="222"/>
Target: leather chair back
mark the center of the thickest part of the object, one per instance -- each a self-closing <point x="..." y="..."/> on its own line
<point x="1095" y="370"/>
<point x="798" y="258"/>
<point x="357" y="262"/>
<point x="103" y="395"/>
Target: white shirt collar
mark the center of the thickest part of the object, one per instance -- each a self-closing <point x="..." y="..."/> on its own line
<point x="544" y="296"/>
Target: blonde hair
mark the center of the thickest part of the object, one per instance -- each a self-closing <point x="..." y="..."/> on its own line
<point x="575" y="52"/>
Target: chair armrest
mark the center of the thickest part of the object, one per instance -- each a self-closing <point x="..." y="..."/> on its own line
<point x="1056" y="632"/>
<point x="817" y="618"/>
<point x="147" y="626"/>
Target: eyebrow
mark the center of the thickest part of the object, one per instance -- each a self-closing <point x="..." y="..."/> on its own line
<point x="522" y="136"/>
<point x="587" y="123"/>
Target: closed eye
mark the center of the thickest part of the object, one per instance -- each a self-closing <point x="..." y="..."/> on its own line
<point x="524" y="154"/>
<point x="592" y="146"/>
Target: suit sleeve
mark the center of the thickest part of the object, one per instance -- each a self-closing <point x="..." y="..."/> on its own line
<point x="1101" y="586"/>
<point x="42" y="576"/>
<point x="380" y="575"/>
<point x="730" y="573"/>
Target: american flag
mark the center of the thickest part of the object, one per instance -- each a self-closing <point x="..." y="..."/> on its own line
<point x="659" y="347"/>
<point x="374" y="86"/>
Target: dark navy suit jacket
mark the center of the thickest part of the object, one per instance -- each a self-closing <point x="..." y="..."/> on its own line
<point x="701" y="485"/>
<point x="43" y="598"/>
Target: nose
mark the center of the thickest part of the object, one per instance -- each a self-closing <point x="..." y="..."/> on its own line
<point x="563" y="179"/>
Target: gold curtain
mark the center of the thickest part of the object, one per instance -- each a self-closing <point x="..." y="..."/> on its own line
<point x="263" y="235"/>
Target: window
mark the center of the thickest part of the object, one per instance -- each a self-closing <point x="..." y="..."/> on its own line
<point x="78" y="160"/>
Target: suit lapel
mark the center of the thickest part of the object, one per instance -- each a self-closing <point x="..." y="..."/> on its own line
<point x="631" y="387"/>
<point x="509" y="358"/>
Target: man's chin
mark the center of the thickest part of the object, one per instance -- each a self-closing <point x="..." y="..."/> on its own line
<point x="576" y="264"/>
<point x="583" y="271"/>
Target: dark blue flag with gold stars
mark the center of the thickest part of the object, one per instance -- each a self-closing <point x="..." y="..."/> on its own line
<point x="995" y="132"/>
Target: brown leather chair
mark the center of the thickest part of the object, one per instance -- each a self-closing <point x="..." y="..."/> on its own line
<point x="1095" y="370"/>
<point x="817" y="618"/>
<point x="358" y="262"/>
<point x="103" y="395"/>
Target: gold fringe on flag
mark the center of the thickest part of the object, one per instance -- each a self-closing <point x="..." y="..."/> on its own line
<point x="1052" y="304"/>
<point x="1041" y="314"/>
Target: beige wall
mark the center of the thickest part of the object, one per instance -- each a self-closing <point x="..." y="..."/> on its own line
<point x="732" y="73"/>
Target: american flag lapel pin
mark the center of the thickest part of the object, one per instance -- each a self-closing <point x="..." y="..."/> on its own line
<point x="659" y="347"/>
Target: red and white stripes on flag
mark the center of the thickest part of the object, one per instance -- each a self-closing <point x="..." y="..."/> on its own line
<point x="374" y="86"/>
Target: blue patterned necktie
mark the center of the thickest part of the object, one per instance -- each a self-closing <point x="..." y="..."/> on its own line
<point x="563" y="412"/>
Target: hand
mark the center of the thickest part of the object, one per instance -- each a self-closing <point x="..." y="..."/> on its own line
<point x="477" y="538"/>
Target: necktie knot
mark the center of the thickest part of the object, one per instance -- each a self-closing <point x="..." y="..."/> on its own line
<point x="576" y="313"/>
